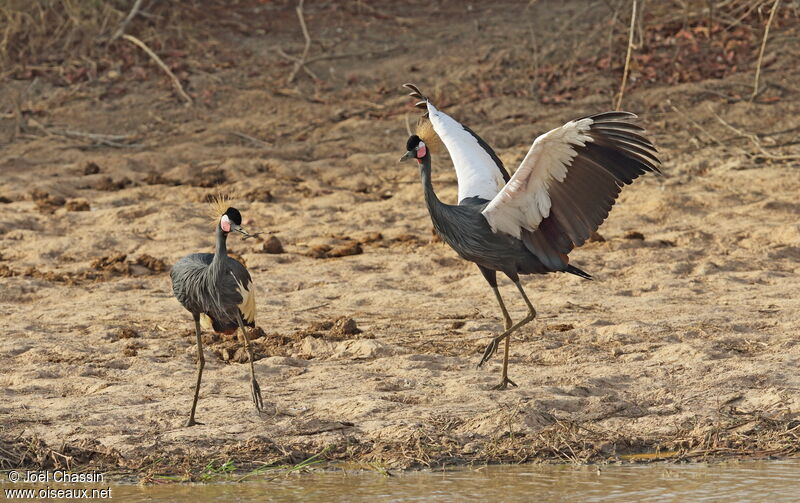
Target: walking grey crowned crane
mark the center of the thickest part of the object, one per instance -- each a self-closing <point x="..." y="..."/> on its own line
<point x="528" y="223"/>
<point x="218" y="291"/>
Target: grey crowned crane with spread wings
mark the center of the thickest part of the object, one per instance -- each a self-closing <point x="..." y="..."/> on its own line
<point x="218" y="291"/>
<point x="528" y="223"/>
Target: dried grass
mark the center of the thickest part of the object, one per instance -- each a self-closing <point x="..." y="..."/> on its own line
<point x="71" y="41"/>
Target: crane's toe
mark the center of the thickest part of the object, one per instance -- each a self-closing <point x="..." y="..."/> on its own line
<point x="504" y="384"/>
<point x="192" y="422"/>
<point x="491" y="349"/>
<point x="255" y="391"/>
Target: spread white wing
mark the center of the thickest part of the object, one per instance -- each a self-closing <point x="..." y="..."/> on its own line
<point x="479" y="171"/>
<point x="572" y="175"/>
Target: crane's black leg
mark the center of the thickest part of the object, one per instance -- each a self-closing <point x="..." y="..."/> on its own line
<point x="201" y="361"/>
<point x="492" y="348"/>
<point x="255" y="389"/>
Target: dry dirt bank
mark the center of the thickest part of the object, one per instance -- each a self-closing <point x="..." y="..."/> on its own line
<point x="687" y="340"/>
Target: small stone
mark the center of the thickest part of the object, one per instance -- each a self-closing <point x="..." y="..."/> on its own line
<point x="272" y="245"/>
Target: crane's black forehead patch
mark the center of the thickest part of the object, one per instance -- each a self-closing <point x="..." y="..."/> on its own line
<point x="412" y="143"/>
<point x="234" y="216"/>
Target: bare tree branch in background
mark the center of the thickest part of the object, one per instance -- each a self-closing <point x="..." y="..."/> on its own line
<point x="627" y="58"/>
<point x="132" y="14"/>
<point x="175" y="82"/>
<point x="763" y="45"/>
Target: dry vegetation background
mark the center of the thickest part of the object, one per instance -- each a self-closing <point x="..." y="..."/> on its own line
<point x="114" y="130"/>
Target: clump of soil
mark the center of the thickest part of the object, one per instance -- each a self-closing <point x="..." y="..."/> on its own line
<point x="342" y="250"/>
<point x="128" y="333"/>
<point x="152" y="263"/>
<point x="131" y="349"/>
<point x="78" y="205"/>
<point x="159" y="179"/>
<point x="209" y="178"/>
<point x="230" y="348"/>
<point x="115" y="264"/>
<point x="370" y="237"/>
<point x="91" y="168"/>
<point x="343" y="328"/>
<point x="352" y="248"/>
<point x="338" y="329"/>
<point x="7" y="272"/>
<point x="259" y="195"/>
<point x="46" y="202"/>
<point x="272" y="245"/>
<point x="407" y="240"/>
<point x="108" y="184"/>
<point x="634" y="235"/>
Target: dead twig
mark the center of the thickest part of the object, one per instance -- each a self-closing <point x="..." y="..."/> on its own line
<point x="108" y="140"/>
<point x="695" y="124"/>
<point x="297" y="61"/>
<point x="132" y="14"/>
<point x="175" y="82"/>
<point x="301" y="62"/>
<point x="627" y="58"/>
<point x="763" y="153"/>
<point x="761" y="52"/>
<point x="251" y="139"/>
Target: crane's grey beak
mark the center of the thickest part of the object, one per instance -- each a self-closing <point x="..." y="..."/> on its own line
<point x="408" y="155"/>
<point x="240" y="230"/>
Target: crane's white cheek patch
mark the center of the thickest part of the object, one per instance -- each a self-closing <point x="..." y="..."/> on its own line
<point x="421" y="151"/>
<point x="225" y="223"/>
<point x="248" y="305"/>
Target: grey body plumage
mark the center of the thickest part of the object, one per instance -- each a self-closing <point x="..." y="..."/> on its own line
<point x="575" y="173"/>
<point x="218" y="289"/>
<point x="464" y="228"/>
<point x="204" y="286"/>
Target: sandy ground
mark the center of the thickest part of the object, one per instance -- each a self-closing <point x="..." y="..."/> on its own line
<point x="687" y="339"/>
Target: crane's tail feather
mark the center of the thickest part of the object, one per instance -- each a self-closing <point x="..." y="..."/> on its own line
<point x="578" y="272"/>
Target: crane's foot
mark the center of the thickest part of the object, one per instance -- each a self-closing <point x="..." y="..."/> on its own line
<point x="192" y="422"/>
<point x="255" y="392"/>
<point x="504" y="384"/>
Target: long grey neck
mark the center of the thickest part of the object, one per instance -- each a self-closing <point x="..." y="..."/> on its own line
<point x="435" y="207"/>
<point x="220" y="254"/>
